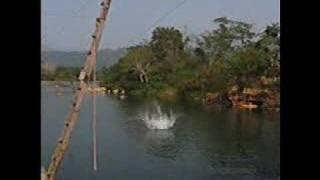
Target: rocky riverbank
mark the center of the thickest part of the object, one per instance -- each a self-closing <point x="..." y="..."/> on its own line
<point x="246" y="98"/>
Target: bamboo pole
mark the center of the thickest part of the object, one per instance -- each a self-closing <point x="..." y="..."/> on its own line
<point x="84" y="76"/>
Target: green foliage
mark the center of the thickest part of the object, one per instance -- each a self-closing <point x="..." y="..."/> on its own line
<point x="269" y="46"/>
<point x="246" y="66"/>
<point x="167" y="42"/>
<point x="220" y="43"/>
<point x="137" y="57"/>
<point x="230" y="55"/>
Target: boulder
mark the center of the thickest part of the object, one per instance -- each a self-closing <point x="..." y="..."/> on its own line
<point x="115" y="91"/>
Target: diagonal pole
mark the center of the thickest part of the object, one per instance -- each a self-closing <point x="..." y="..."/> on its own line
<point x="84" y="76"/>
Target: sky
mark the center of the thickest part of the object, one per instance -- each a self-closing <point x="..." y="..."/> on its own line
<point x="68" y="24"/>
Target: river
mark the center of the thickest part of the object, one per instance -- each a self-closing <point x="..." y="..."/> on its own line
<point x="204" y="143"/>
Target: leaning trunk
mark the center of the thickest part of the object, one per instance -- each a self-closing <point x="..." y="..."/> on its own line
<point x="146" y="79"/>
<point x="141" y="78"/>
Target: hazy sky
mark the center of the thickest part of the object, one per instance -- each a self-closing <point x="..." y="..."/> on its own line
<point x="68" y="24"/>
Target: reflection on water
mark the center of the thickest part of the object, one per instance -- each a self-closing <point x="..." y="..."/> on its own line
<point x="161" y="143"/>
<point x="268" y="149"/>
<point x="202" y="144"/>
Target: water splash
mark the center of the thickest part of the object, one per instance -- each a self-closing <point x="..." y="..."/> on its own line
<point x="156" y="118"/>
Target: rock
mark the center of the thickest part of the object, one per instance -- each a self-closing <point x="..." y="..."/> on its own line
<point x="249" y="106"/>
<point x="272" y="100"/>
<point x="266" y="81"/>
<point x="115" y="91"/>
<point x="270" y="103"/>
<point x="251" y="98"/>
<point x="211" y="97"/>
<point x="252" y="92"/>
<point x="233" y="90"/>
<point x="223" y="99"/>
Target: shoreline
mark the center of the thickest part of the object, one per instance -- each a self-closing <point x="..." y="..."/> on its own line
<point x="201" y="101"/>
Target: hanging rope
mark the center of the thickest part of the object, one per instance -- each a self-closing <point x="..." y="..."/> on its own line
<point x="94" y="121"/>
<point x="159" y="20"/>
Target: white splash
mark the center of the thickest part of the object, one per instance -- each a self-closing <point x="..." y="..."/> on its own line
<point x="158" y="119"/>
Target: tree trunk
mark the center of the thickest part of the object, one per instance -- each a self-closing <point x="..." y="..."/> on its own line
<point x="146" y="79"/>
<point x="141" y="78"/>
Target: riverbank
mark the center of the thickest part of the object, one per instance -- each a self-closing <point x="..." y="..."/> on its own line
<point x="242" y="98"/>
<point x="59" y="83"/>
<point x="245" y="98"/>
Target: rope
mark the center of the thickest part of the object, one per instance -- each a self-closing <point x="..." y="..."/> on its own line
<point x="160" y="19"/>
<point x="94" y="120"/>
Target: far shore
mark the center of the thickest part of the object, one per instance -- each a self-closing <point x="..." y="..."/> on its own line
<point x="62" y="83"/>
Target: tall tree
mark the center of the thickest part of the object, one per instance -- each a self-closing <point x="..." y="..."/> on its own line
<point x="269" y="46"/>
<point x="138" y="60"/>
<point x="229" y="36"/>
<point x="167" y="42"/>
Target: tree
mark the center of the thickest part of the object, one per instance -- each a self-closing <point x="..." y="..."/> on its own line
<point x="221" y="42"/>
<point x="167" y="42"/>
<point x="246" y="66"/>
<point x="269" y="46"/>
<point x="138" y="59"/>
<point x="231" y="54"/>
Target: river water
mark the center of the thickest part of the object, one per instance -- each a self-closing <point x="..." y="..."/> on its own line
<point x="203" y="143"/>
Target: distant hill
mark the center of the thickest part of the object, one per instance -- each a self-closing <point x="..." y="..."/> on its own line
<point x="106" y="57"/>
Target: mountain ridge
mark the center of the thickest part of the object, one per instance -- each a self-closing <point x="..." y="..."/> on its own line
<point x="106" y="57"/>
